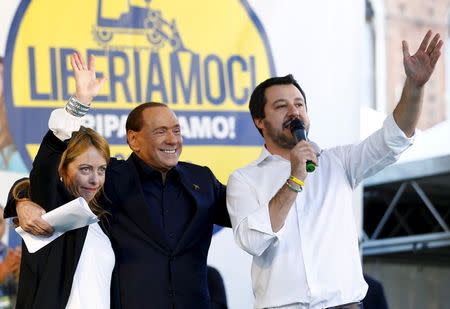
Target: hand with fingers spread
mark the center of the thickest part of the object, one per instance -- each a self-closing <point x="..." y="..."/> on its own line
<point x="30" y="219"/>
<point x="87" y="84"/>
<point x="420" y="66"/>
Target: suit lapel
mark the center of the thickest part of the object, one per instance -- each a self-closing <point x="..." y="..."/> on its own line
<point x="194" y="189"/>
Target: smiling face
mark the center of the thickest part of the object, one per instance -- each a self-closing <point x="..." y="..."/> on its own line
<point x="159" y="142"/>
<point x="86" y="174"/>
<point x="283" y="104"/>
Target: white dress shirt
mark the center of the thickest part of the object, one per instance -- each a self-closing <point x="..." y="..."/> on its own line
<point x="92" y="280"/>
<point x="313" y="261"/>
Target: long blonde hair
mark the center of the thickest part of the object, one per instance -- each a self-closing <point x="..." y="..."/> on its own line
<point x="81" y="140"/>
<point x="79" y="143"/>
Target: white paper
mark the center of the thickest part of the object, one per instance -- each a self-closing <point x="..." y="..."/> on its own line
<point x="70" y="216"/>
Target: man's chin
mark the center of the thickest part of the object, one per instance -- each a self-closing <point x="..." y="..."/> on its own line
<point x="288" y="146"/>
<point x="286" y="143"/>
<point x="171" y="164"/>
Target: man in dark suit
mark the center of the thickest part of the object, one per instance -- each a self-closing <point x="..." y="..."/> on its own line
<point x="163" y="211"/>
<point x="163" y="215"/>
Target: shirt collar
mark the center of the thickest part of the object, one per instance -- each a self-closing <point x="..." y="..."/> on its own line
<point x="145" y="170"/>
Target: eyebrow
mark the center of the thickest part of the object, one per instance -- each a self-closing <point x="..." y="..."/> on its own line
<point x="89" y="165"/>
<point x="166" y="127"/>
<point x="284" y="100"/>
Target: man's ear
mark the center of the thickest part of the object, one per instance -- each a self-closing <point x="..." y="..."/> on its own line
<point x="132" y="140"/>
<point x="259" y="123"/>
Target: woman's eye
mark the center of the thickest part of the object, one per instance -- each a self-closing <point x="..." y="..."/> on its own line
<point x="102" y="170"/>
<point x="84" y="169"/>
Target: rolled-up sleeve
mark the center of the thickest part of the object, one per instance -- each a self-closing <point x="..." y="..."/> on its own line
<point x="250" y="217"/>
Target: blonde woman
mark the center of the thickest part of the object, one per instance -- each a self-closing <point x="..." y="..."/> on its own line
<point x="73" y="271"/>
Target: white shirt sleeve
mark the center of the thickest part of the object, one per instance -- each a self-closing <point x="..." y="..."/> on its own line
<point x="63" y="124"/>
<point x="250" y="218"/>
<point x="377" y="151"/>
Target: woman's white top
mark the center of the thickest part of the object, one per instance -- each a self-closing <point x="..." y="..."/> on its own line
<point x="92" y="280"/>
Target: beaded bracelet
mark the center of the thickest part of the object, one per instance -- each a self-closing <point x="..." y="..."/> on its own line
<point x="297" y="190"/>
<point x="297" y="181"/>
<point x="76" y="108"/>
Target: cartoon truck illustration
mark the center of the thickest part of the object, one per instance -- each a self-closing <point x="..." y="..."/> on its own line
<point x="138" y="21"/>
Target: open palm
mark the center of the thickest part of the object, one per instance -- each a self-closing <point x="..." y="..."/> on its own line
<point x="87" y="84"/>
<point x="420" y="66"/>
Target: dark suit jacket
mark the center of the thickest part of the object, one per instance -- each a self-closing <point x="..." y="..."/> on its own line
<point x="151" y="275"/>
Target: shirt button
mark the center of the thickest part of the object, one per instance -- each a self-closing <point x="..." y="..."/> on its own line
<point x="171" y="292"/>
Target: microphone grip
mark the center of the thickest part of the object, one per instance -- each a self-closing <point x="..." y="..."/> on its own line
<point x="300" y="135"/>
<point x="310" y="166"/>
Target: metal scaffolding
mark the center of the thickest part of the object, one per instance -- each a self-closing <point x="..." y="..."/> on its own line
<point x="407" y="208"/>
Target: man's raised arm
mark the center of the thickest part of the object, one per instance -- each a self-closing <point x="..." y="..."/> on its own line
<point x="418" y="69"/>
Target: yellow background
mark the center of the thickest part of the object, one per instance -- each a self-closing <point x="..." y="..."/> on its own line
<point x="222" y="28"/>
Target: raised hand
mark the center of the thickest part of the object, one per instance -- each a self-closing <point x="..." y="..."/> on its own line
<point x="87" y="84"/>
<point x="420" y="66"/>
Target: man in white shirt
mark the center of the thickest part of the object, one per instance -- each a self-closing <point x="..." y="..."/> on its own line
<point x="299" y="227"/>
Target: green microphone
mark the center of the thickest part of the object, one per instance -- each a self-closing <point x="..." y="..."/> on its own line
<point x="298" y="131"/>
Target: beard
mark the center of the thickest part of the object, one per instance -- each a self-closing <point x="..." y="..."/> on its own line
<point x="278" y="137"/>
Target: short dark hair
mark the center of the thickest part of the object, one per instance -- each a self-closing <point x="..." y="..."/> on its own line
<point x="135" y="120"/>
<point x="258" y="99"/>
